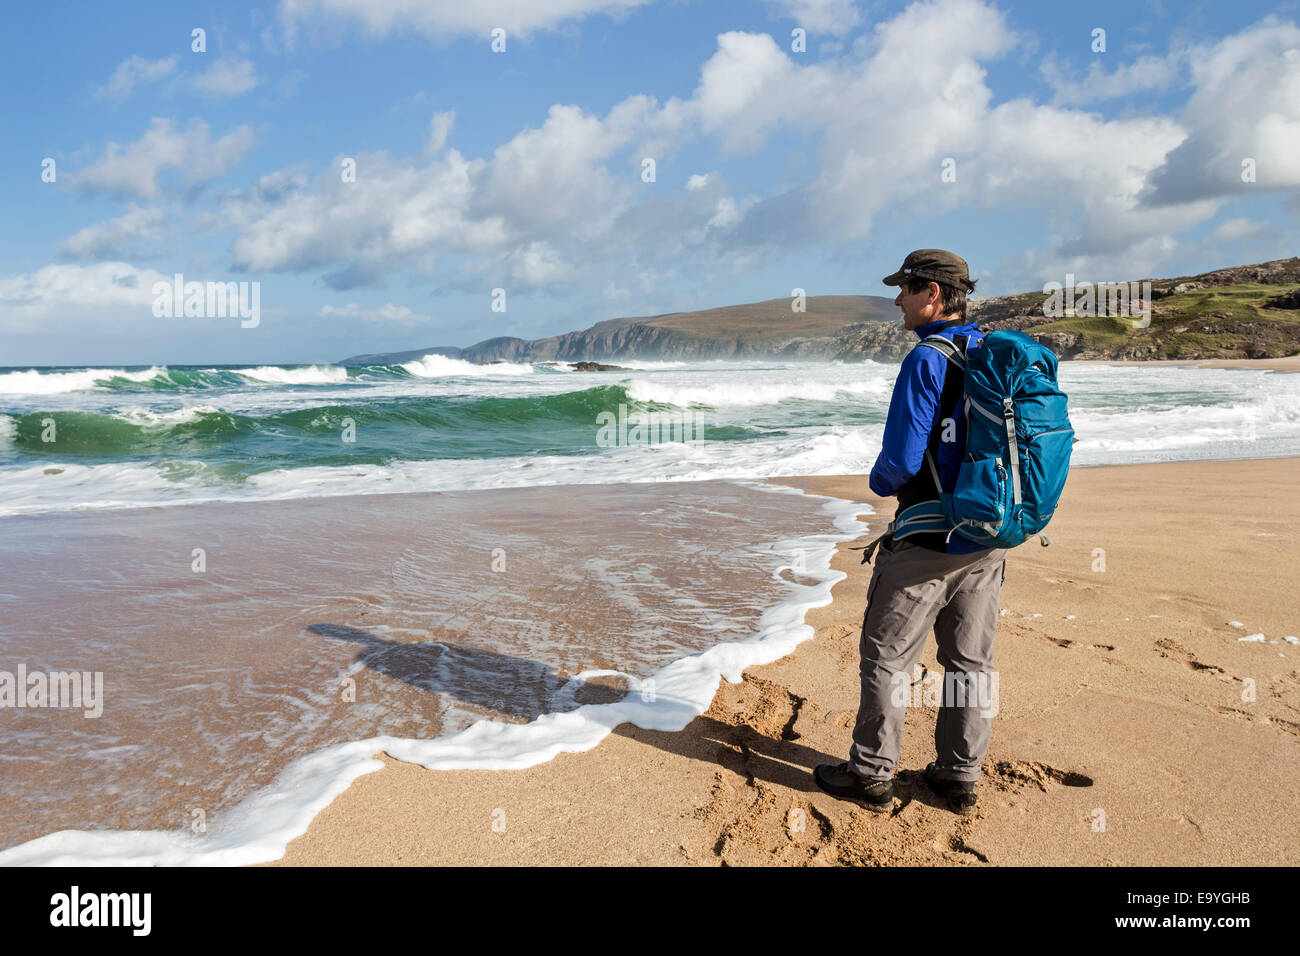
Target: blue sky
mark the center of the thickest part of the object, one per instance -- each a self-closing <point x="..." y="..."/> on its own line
<point x="521" y="170"/>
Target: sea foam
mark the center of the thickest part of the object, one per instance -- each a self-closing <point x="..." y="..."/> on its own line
<point x="35" y="382"/>
<point x="438" y="366"/>
<point x="282" y="375"/>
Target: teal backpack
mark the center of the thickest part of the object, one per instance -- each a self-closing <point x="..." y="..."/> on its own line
<point x="1018" y="444"/>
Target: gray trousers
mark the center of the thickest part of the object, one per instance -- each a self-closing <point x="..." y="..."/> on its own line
<point x="912" y="590"/>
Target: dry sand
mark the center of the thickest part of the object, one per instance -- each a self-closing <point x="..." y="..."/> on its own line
<point x="1126" y="735"/>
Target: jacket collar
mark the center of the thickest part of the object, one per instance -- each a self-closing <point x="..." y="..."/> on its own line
<point x="931" y="327"/>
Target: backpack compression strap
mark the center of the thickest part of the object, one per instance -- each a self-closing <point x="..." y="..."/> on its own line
<point x="1008" y="420"/>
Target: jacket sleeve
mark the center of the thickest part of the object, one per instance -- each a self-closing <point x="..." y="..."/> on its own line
<point x="912" y="409"/>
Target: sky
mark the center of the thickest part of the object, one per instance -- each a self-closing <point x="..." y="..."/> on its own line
<point x="396" y="174"/>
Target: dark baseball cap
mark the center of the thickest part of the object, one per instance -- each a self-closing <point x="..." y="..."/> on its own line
<point x="933" y="265"/>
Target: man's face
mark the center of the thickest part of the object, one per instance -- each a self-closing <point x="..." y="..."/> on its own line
<point x="919" y="308"/>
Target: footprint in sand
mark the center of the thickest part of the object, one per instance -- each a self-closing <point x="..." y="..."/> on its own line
<point x="1286" y="726"/>
<point x="1171" y="649"/>
<point x="1232" y="712"/>
<point x="954" y="847"/>
<point x="1017" y="775"/>
<point x="1059" y="641"/>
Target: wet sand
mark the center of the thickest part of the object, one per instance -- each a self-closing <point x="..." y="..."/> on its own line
<point x="1135" y="728"/>
<point x="232" y="638"/>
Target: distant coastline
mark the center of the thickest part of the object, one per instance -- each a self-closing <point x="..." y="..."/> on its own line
<point x="1241" y="312"/>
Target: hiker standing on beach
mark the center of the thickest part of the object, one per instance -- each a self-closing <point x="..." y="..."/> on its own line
<point x="925" y="577"/>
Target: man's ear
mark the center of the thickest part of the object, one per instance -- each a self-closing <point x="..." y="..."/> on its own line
<point x="936" y="295"/>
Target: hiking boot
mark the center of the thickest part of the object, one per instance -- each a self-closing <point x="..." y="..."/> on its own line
<point x="839" y="780"/>
<point x="960" y="794"/>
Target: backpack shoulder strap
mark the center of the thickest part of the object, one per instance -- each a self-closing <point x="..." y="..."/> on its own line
<point x="953" y="386"/>
<point x="945" y="347"/>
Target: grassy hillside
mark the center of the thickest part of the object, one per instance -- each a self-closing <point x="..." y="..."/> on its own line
<point x="1214" y="315"/>
<point x="774" y="319"/>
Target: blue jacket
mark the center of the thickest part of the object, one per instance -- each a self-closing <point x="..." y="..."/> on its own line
<point x="913" y="409"/>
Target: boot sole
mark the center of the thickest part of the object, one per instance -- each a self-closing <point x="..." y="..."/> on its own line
<point x="865" y="803"/>
<point x="962" y="811"/>
<point x="885" y="807"/>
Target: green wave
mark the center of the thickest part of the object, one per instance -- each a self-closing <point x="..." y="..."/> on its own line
<point x="193" y="379"/>
<point x="97" y="433"/>
<point x="389" y="428"/>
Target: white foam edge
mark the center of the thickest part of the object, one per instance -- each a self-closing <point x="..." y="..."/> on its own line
<point x="258" y="829"/>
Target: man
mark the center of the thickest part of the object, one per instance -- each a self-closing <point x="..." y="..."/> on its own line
<point x="925" y="579"/>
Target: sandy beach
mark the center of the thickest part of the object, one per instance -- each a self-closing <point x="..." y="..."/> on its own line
<point x="1142" y="719"/>
<point x="1290" y="363"/>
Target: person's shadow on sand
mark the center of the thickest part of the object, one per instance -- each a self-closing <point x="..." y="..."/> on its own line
<point x="526" y="689"/>
<point x="510" y="685"/>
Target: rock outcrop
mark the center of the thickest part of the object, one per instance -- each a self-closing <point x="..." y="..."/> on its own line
<point x="1287" y="300"/>
<point x="598" y="367"/>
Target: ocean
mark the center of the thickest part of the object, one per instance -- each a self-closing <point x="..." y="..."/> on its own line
<point x="558" y="562"/>
<point x="77" y="439"/>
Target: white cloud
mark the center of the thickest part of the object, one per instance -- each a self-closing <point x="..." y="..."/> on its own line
<point x="726" y="214"/>
<point x="84" y="291"/>
<point x="547" y="205"/>
<point x="117" y="238"/>
<point x="1142" y="259"/>
<point x="1246" y="105"/>
<point x="1085" y="174"/>
<point x="550" y="198"/>
<point x="820" y="16"/>
<point x="546" y="178"/>
<point x="537" y="265"/>
<point x="395" y="215"/>
<point x="443" y="20"/>
<point x="1142" y="75"/>
<point x="564" y="201"/>
<point x="750" y="86"/>
<point x="132" y="72"/>
<point x="227" y="78"/>
<point x="1232" y="230"/>
<point x="385" y="313"/>
<point x="646" y="282"/>
<point x="891" y="113"/>
<point x="439" y="129"/>
<point x="133" y="169"/>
